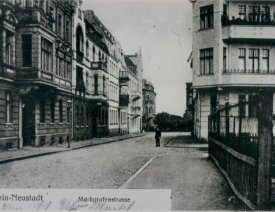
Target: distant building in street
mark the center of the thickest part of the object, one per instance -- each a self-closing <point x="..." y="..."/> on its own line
<point x="149" y="104"/>
<point x="233" y="56"/>
<point x="134" y="65"/>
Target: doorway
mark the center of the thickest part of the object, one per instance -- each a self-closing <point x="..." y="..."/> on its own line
<point x="28" y="120"/>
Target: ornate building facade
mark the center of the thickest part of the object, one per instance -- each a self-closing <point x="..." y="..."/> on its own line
<point x="36" y="72"/>
<point x="63" y="76"/>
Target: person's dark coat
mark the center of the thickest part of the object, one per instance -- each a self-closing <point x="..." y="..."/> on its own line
<point x="158" y="134"/>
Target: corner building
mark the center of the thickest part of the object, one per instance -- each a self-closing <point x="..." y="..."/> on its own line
<point x="36" y="72"/>
<point x="233" y="56"/>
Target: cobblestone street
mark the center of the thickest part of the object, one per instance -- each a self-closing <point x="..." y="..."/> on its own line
<point x="195" y="182"/>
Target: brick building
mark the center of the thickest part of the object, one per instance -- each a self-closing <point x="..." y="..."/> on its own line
<point x="233" y="56"/>
<point x="149" y="104"/>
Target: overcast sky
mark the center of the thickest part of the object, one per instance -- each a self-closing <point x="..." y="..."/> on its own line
<point x="162" y="29"/>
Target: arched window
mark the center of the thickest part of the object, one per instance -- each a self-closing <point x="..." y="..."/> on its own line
<point x="79" y="39"/>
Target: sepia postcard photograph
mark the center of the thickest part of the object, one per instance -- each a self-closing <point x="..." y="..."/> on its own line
<point x="137" y="105"/>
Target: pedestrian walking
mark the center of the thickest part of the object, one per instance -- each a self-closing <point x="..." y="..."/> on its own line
<point x="158" y="136"/>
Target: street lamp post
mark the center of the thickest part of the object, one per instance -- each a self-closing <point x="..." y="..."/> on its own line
<point x="69" y="105"/>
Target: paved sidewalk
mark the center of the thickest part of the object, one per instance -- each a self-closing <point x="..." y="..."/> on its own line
<point x="30" y="152"/>
<point x="186" y="141"/>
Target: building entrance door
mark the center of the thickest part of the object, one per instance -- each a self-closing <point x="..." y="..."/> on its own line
<point x="28" y="121"/>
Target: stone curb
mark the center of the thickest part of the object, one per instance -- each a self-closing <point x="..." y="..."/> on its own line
<point x="98" y="142"/>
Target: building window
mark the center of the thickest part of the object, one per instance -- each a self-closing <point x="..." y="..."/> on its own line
<point x="52" y="110"/>
<point x="96" y="84"/>
<point x="206" y="17"/>
<point x="9" y="108"/>
<point x="265" y="59"/>
<point x="61" y="111"/>
<point x="242" y="12"/>
<point x="87" y="79"/>
<point x="254" y="57"/>
<point x="51" y="12"/>
<point x="46" y="55"/>
<point x="104" y="85"/>
<point x="60" y="25"/>
<point x="79" y="14"/>
<point x="69" y="70"/>
<point x="254" y="14"/>
<point x="224" y="9"/>
<point x="213" y="104"/>
<point x="224" y="58"/>
<point x="253" y="106"/>
<point x="68" y="30"/>
<point x="27" y="50"/>
<point x="242" y="59"/>
<point x="87" y="50"/>
<point x="206" y="61"/>
<point x="265" y="14"/>
<point x="9" y="48"/>
<point x="79" y="40"/>
<point x="242" y="108"/>
<point x="42" y="110"/>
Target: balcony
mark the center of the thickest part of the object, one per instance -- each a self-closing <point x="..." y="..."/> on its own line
<point x="35" y="15"/>
<point x="8" y="71"/>
<point x="248" y="77"/>
<point x="136" y="111"/>
<point x="124" y="100"/>
<point x="135" y="95"/>
<point x="80" y="86"/>
<point x="99" y="66"/>
<point x="123" y="78"/>
<point x="237" y="29"/>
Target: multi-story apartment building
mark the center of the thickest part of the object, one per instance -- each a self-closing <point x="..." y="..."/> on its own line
<point x="60" y="75"/>
<point x="134" y="64"/>
<point x="97" y="86"/>
<point x="36" y="72"/>
<point x="149" y="105"/>
<point x="233" y="55"/>
<point x="90" y="76"/>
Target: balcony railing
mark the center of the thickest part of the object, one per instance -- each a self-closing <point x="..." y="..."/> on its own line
<point x="99" y="66"/>
<point x="247" y="71"/>
<point x="261" y="19"/>
<point x="135" y="95"/>
<point x="123" y="77"/>
<point x="124" y="100"/>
